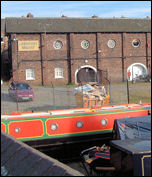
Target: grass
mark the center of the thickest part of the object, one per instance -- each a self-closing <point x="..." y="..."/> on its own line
<point x="140" y="91"/>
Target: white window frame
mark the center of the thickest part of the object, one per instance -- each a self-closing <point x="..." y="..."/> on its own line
<point x="30" y="76"/>
<point x="58" y="72"/>
<point x="137" y="41"/>
<point x="85" y="44"/>
<point x="3" y="39"/>
<point x="59" y="46"/>
<point x="111" y="43"/>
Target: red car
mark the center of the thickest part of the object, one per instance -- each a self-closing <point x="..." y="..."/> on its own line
<point x="21" y="91"/>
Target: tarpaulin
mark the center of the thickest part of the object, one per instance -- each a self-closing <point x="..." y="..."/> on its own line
<point x="130" y="128"/>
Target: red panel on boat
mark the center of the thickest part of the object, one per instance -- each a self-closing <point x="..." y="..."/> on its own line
<point x="25" y="129"/>
<point x="3" y="127"/>
<point x="74" y="125"/>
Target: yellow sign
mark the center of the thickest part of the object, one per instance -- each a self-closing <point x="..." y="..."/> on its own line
<point x="28" y="45"/>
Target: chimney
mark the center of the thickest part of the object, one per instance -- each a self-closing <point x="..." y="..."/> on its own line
<point x="94" y="16"/>
<point x="122" y="16"/>
<point x="63" y="16"/>
<point x="29" y="15"/>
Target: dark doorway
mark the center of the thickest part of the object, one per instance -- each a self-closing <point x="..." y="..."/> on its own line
<point x="85" y="75"/>
<point x="5" y="66"/>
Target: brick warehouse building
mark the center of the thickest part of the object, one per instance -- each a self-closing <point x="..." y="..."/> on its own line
<point x="57" y="50"/>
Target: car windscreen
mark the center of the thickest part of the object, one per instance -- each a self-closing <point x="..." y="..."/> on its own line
<point x="23" y="86"/>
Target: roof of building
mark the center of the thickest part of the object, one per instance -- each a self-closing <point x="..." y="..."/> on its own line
<point x="22" y="159"/>
<point x="76" y="25"/>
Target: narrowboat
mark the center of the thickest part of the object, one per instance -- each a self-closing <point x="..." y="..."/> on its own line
<point x="45" y="129"/>
<point x="128" y="154"/>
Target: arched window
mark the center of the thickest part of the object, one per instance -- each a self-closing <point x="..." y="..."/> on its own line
<point x="136" y="71"/>
<point x="85" y="74"/>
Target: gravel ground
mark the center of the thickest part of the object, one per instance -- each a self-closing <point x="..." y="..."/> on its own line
<point x="47" y="98"/>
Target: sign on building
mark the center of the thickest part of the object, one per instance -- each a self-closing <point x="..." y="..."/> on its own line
<point x="28" y="45"/>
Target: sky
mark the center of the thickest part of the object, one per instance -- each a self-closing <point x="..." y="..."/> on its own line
<point x="86" y="9"/>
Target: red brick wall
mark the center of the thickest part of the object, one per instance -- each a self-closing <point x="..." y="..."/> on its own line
<point x="20" y="57"/>
<point x="77" y="51"/>
<point x="129" y="50"/>
<point x="21" y="73"/>
<point x="149" y="51"/>
<point x="105" y="50"/>
<point x="76" y="64"/>
<point x="149" y="43"/>
<point x="114" y="68"/>
<point x="133" y="54"/>
<point x="79" y="55"/>
<point x="54" y="58"/>
<point x="49" y="52"/>
<point x="49" y="72"/>
<point x="109" y="59"/>
<point x="28" y="55"/>
<point x="129" y="61"/>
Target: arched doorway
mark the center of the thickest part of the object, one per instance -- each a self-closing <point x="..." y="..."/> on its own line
<point x="85" y="74"/>
<point x="136" y="71"/>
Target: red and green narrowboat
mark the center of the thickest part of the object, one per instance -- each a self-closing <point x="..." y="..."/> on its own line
<point x="56" y="127"/>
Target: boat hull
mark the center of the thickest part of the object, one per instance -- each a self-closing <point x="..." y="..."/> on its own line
<point x="52" y="128"/>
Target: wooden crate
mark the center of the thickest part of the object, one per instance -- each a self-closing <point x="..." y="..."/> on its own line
<point x="84" y="101"/>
